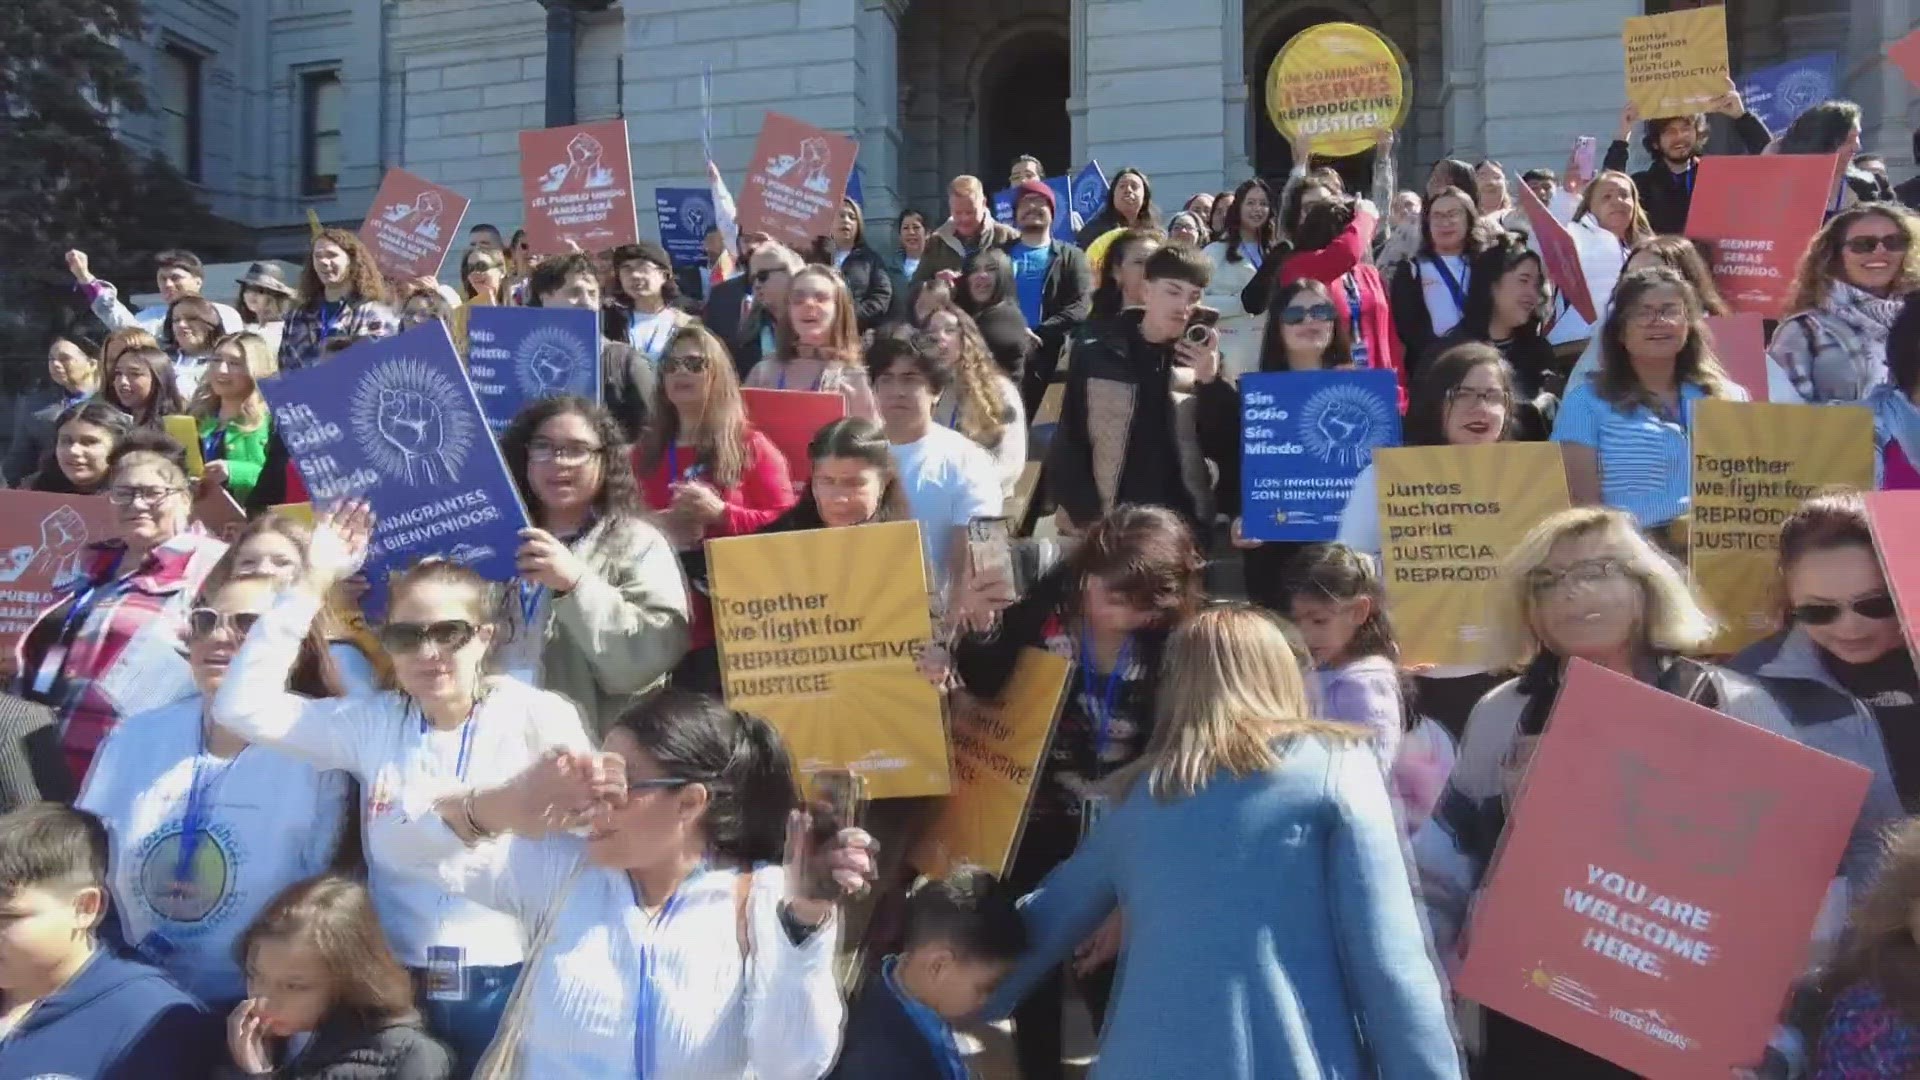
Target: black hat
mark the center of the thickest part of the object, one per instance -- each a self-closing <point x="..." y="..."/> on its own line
<point x="267" y="277"/>
<point x="639" y="250"/>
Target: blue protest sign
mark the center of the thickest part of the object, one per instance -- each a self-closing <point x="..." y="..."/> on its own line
<point x="1003" y="206"/>
<point x="517" y="356"/>
<point x="1779" y="94"/>
<point x="395" y="422"/>
<point x="685" y="215"/>
<point x="1304" y="437"/>
<point x="1089" y="191"/>
<point x="853" y="188"/>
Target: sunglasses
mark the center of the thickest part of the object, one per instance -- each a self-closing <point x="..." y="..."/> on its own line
<point x="1878" y="606"/>
<point x="203" y="623"/>
<point x="1294" y="316"/>
<point x="448" y="635"/>
<point x="1894" y="243"/>
<point x="694" y="363"/>
<point x="664" y="783"/>
<point x="760" y="276"/>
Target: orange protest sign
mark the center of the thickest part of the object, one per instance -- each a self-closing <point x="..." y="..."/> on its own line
<point x="577" y="186"/>
<point x="1895" y="519"/>
<point x="791" y="418"/>
<point x="1677" y="60"/>
<point x="798" y="177"/>
<point x="1756" y="215"/>
<point x="1656" y="888"/>
<point x="1560" y="255"/>
<point x="412" y="224"/>
<point x="1905" y="55"/>
<point x="1740" y="341"/>
<point x="997" y="747"/>
<point x="42" y="536"/>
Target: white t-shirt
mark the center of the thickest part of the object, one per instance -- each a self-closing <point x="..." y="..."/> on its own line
<point x="402" y="769"/>
<point x="268" y="821"/>
<point x="650" y="333"/>
<point x="949" y="481"/>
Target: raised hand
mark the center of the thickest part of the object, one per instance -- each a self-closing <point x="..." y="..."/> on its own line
<point x="819" y="876"/>
<point x="544" y="560"/>
<point x="77" y="266"/>
<point x="341" y="536"/>
<point x="247" y="1038"/>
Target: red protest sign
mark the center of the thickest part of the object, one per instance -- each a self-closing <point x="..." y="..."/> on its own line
<point x="41" y="539"/>
<point x="1655" y="892"/>
<point x="1905" y="55"/>
<point x="577" y="185"/>
<point x="412" y="225"/>
<point x="1740" y="341"/>
<point x="1895" y="519"/>
<point x="791" y="418"/>
<point x="1756" y="215"/>
<point x="798" y="178"/>
<point x="1560" y="254"/>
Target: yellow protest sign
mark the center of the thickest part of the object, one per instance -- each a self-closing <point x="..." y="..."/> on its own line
<point x="1753" y="463"/>
<point x="997" y="747"/>
<point x="1676" y="61"/>
<point x="1340" y="83"/>
<point x="314" y="228"/>
<point x="1448" y="517"/>
<point x="817" y="633"/>
<point x="185" y="430"/>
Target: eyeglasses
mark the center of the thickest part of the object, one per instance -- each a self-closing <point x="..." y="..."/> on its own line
<point x="1894" y="243"/>
<point x="694" y="363"/>
<point x="1878" y="606"/>
<point x="448" y="635"/>
<point x="1467" y="395"/>
<point x="1294" y="316"/>
<point x="1650" y="315"/>
<point x="140" y="496"/>
<point x="204" y="622"/>
<point x="568" y="453"/>
<point x="1580" y="575"/>
<point x="760" y="277"/>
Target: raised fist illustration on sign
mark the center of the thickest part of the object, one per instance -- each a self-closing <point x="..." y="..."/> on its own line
<point x="410" y="422"/>
<point x="547" y="369"/>
<point x="422" y="216"/>
<point x="62" y="534"/>
<point x="815" y="157"/>
<point x="582" y="169"/>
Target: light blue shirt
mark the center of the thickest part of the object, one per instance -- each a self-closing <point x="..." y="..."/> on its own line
<point x="1646" y="466"/>
<point x="1030" y="278"/>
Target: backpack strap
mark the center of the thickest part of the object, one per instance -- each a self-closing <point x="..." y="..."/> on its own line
<point x="742" y="929"/>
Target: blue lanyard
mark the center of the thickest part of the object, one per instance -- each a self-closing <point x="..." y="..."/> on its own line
<point x="466" y="739"/>
<point x="648" y="995"/>
<point x="199" y="795"/>
<point x="1359" y="350"/>
<point x="211" y="442"/>
<point x="326" y="319"/>
<point x="674" y="475"/>
<point x="817" y="379"/>
<point x="62" y="645"/>
<point x="1103" y="714"/>
<point x="1455" y="288"/>
<point x="530" y="597"/>
<point x="953" y="418"/>
<point x="1689" y="174"/>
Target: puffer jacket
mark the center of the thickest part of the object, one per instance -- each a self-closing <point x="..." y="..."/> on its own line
<point x="347" y="1050"/>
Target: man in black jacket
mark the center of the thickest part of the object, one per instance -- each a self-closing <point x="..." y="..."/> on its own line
<point x="1054" y="282"/>
<point x="1676" y="143"/>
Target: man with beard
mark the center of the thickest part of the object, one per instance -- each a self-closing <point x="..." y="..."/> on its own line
<point x="1053" y="281"/>
<point x="1676" y="143"/>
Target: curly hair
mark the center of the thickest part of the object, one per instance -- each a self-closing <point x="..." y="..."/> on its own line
<point x="618" y="494"/>
<point x="982" y="412"/>
<point x="1821" y="263"/>
<point x="364" y="281"/>
<point x="1616" y="382"/>
<point x="1878" y="947"/>
<point x="1146" y="554"/>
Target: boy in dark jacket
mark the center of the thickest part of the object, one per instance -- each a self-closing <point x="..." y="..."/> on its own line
<point x="72" y="1008"/>
<point x="963" y="936"/>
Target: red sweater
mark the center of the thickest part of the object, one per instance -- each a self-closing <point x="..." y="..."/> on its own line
<point x="765" y="491"/>
<point x="1345" y="256"/>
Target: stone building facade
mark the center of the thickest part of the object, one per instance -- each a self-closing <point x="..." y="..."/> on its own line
<point x="282" y="106"/>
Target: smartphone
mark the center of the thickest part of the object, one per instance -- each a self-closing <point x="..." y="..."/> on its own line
<point x="1583" y="148"/>
<point x="990" y="549"/>
<point x="1201" y="320"/>
<point x="837" y="799"/>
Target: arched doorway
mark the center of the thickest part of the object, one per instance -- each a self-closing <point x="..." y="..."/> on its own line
<point x="1272" y="155"/>
<point x="1022" y="91"/>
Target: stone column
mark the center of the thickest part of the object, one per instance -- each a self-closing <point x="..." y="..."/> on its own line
<point x="879" y="129"/>
<point x="1153" y="71"/>
<point x="1234" y="95"/>
<point x="1883" y="93"/>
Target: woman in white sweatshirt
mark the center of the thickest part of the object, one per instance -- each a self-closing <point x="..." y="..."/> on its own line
<point x="443" y="727"/>
<point x="1605" y="221"/>
<point x="1252" y="230"/>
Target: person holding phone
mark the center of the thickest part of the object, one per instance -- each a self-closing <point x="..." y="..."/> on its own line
<point x="1131" y="368"/>
<point x="1676" y="143"/>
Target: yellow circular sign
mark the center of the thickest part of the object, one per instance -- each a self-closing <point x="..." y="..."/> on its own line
<point x="1340" y="83"/>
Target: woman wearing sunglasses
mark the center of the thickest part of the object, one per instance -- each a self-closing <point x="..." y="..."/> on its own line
<point x="600" y="612"/>
<point x="1851" y="283"/>
<point x="706" y="472"/>
<point x="442" y="725"/>
<point x="205" y="829"/>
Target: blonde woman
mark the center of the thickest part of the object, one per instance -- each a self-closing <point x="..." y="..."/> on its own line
<point x="1258" y="845"/>
<point x="237" y="440"/>
<point x="817" y="342"/>
<point x="1584" y="584"/>
<point x="1605" y="220"/>
<point x="983" y="403"/>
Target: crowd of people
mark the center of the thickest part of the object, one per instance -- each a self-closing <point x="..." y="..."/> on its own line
<point x="511" y="829"/>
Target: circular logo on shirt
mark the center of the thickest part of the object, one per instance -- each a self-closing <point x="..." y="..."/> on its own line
<point x="196" y="893"/>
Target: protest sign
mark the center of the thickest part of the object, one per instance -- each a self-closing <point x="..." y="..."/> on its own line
<point x="1448" y="516"/>
<point x="1895" y="519"/>
<point x="791" y="418"/>
<point x="854" y="192"/>
<point x="1559" y="254"/>
<point x="43" y="538"/>
<point x="1779" y="94"/>
<point x="997" y="747"/>
<point x="1905" y="55"/>
<point x="185" y="430"/>
<point x="1756" y="215"/>
<point x="412" y="225"/>
<point x="216" y="511"/>
<point x="519" y="355"/>
<point x="1740" y="342"/>
<point x="798" y="178"/>
<point x="817" y="632"/>
<point x="1304" y="437"/>
<point x="1655" y="891"/>
<point x="685" y="216"/>
<point x="577" y="185"/>
<point x="1753" y="463"/>
<point x="395" y="422"/>
<point x="1090" y="189"/>
<point x="1339" y="82"/>
<point x="1676" y="61"/>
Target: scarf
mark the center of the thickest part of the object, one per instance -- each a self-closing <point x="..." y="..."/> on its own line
<point x="1895" y="419"/>
<point x="1858" y="322"/>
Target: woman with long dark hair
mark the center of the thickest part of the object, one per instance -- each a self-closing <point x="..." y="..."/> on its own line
<point x="73" y="365"/>
<point x="141" y="383"/>
<point x="84" y="439"/>
<point x="1429" y="293"/>
<point x="846" y="250"/>
<point x="986" y="291"/>
<point x="1253" y="229"/>
<point x="1503" y="310"/>
<point x="189" y="334"/>
<point x="852" y="480"/>
<point x="343" y="297"/>
<point x="1129" y="206"/>
<point x="1120" y="281"/>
